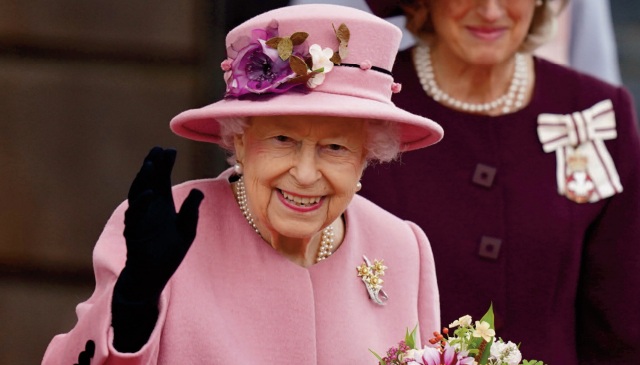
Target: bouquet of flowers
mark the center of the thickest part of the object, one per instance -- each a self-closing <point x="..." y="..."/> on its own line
<point x="469" y="344"/>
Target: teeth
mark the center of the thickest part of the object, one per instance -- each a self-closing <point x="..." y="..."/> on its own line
<point x="304" y="202"/>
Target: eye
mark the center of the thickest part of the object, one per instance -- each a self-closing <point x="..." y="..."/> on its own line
<point x="335" y="147"/>
<point x="283" y="139"/>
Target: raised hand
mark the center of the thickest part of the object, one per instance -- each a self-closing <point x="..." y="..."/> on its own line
<point x="157" y="239"/>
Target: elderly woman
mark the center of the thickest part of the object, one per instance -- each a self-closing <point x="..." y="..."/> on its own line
<point x="532" y="201"/>
<point x="277" y="260"/>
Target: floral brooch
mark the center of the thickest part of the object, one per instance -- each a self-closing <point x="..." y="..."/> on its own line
<point x="371" y="276"/>
<point x="269" y="63"/>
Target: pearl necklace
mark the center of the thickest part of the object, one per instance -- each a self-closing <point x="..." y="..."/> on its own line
<point x="512" y="100"/>
<point x="326" y="241"/>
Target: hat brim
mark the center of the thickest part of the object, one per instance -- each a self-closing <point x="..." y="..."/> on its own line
<point x="202" y="124"/>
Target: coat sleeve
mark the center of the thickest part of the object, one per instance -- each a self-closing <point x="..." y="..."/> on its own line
<point x="90" y="341"/>
<point x="608" y="302"/>
<point x="428" y="295"/>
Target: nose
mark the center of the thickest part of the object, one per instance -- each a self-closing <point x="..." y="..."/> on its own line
<point x="305" y="166"/>
<point x="491" y="10"/>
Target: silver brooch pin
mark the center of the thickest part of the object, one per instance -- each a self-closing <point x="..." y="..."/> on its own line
<point x="371" y="275"/>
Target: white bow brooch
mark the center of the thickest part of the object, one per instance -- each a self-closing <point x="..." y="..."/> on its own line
<point x="585" y="170"/>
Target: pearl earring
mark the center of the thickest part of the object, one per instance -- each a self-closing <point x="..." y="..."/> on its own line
<point x="358" y="186"/>
<point x="538" y="2"/>
<point x="238" y="168"/>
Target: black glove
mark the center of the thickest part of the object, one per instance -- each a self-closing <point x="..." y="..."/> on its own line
<point x="157" y="241"/>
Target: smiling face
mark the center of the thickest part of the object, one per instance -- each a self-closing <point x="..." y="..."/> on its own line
<point x="481" y="32"/>
<point x="300" y="172"/>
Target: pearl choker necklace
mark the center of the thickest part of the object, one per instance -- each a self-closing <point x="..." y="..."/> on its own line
<point x="326" y="242"/>
<point x="512" y="100"/>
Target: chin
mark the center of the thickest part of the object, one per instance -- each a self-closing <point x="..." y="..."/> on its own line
<point x="487" y="55"/>
<point x="297" y="231"/>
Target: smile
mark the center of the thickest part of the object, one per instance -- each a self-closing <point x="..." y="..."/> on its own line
<point x="487" y="33"/>
<point x="299" y="201"/>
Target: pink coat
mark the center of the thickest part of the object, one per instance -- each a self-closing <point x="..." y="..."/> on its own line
<point x="235" y="300"/>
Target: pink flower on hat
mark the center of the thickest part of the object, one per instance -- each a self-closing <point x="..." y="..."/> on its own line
<point x="226" y="65"/>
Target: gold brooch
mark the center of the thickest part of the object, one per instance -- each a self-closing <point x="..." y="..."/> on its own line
<point x="371" y="276"/>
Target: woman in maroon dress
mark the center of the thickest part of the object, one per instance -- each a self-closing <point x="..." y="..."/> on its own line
<point x="532" y="199"/>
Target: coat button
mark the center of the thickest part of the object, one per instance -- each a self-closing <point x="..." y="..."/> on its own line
<point x="484" y="175"/>
<point x="489" y="247"/>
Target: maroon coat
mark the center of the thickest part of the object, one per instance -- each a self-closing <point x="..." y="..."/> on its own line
<point x="564" y="277"/>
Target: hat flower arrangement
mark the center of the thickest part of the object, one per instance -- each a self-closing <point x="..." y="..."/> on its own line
<point x="469" y="344"/>
<point x="269" y="63"/>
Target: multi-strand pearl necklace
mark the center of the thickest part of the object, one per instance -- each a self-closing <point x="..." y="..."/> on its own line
<point x="512" y="100"/>
<point x="326" y="241"/>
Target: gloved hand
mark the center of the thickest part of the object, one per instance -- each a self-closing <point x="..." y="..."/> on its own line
<point x="157" y="239"/>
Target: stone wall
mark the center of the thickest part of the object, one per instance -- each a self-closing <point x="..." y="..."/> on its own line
<point x="86" y="89"/>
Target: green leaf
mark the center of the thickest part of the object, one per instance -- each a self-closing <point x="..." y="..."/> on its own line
<point x="532" y="362"/>
<point x="381" y="362"/>
<point x="489" y="317"/>
<point x="477" y="341"/>
<point x="410" y="337"/>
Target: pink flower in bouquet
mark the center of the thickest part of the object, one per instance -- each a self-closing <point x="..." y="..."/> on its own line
<point x="446" y="355"/>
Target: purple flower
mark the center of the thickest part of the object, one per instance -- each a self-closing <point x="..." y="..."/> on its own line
<point x="257" y="68"/>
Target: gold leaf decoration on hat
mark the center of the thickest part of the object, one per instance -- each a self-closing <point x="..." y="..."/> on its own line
<point x="285" y="48"/>
<point x="343" y="34"/>
<point x="298" y="38"/>
<point x="301" y="69"/>
<point x="285" y="45"/>
<point x="273" y="42"/>
<point x="298" y="65"/>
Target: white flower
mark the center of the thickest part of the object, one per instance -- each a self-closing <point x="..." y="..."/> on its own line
<point x="321" y="60"/>
<point x="415" y="354"/>
<point x="506" y="352"/>
<point x="483" y="329"/>
<point x="464" y="321"/>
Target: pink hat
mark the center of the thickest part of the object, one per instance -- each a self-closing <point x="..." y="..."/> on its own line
<point x="292" y="61"/>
